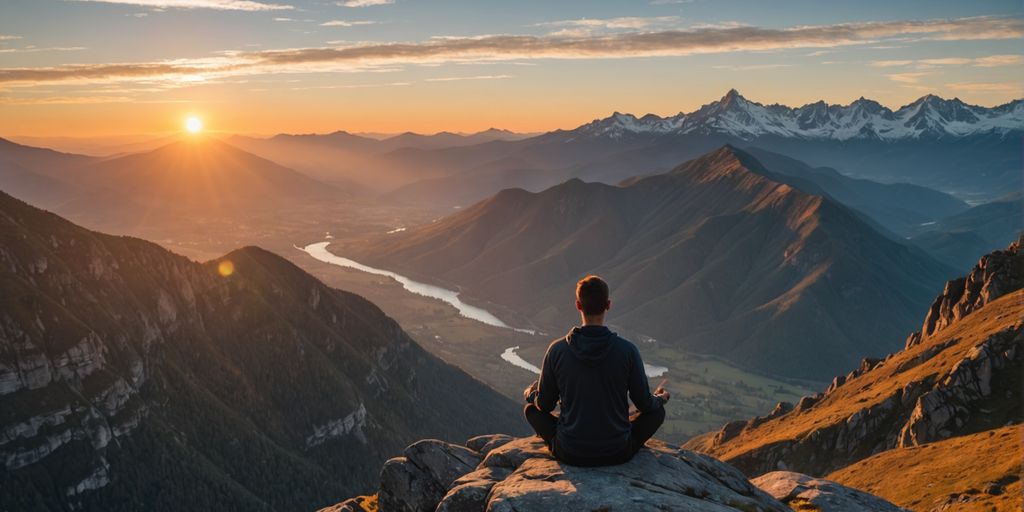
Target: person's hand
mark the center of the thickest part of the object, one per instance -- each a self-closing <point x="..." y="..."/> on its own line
<point x="663" y="394"/>
<point x="530" y="391"/>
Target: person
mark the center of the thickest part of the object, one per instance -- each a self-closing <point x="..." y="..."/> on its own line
<point x="591" y="371"/>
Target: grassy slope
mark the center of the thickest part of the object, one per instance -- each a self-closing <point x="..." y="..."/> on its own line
<point x="924" y="476"/>
<point x="879" y="384"/>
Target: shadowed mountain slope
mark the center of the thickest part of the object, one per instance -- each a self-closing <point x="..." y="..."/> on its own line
<point x="132" y="378"/>
<point x="718" y="256"/>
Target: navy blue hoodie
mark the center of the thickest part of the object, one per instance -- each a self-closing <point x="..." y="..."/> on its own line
<point x="591" y="371"/>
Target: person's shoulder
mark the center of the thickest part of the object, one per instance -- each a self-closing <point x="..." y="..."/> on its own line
<point x="558" y="344"/>
<point x="626" y="345"/>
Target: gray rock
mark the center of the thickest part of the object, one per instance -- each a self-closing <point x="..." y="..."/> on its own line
<point x="486" y="443"/>
<point x="469" y="493"/>
<point x="418" y="481"/>
<point x="660" y="477"/>
<point x="802" y="492"/>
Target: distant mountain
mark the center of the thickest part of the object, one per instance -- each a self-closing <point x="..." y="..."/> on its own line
<point x="132" y="378"/>
<point x="203" y="176"/>
<point x="965" y="150"/>
<point x="931" y="426"/>
<point x="899" y="207"/>
<point x="962" y="238"/>
<point x="363" y="163"/>
<point x="718" y="256"/>
<point x="928" y="117"/>
<point x="40" y="160"/>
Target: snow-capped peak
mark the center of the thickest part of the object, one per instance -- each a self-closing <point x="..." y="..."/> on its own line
<point x="929" y="116"/>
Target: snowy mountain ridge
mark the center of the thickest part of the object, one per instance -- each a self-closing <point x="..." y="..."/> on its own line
<point x="928" y="117"/>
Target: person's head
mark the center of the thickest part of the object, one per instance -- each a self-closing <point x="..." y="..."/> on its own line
<point x="592" y="299"/>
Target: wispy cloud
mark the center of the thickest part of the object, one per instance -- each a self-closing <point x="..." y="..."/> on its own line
<point x="630" y="22"/>
<point x="990" y="61"/>
<point x="8" y="37"/>
<point x="987" y="87"/>
<point x="891" y="63"/>
<point x="34" y="49"/>
<point x="477" y="77"/>
<point x="223" y="5"/>
<point x="752" y="67"/>
<point x="351" y="86"/>
<point x="345" y="23"/>
<point x="907" y="78"/>
<point x="364" y="3"/>
<point x="523" y="47"/>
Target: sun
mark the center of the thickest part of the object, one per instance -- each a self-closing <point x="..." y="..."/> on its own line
<point x="193" y="124"/>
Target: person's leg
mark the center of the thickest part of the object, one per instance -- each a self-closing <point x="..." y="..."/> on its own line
<point x="644" y="425"/>
<point x="544" y="424"/>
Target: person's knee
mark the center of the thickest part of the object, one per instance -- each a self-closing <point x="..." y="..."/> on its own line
<point x="529" y="410"/>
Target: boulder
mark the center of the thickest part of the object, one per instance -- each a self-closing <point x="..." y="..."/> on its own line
<point x="805" y="493"/>
<point x="486" y="443"/>
<point x="520" y="474"/>
<point x="417" y="481"/>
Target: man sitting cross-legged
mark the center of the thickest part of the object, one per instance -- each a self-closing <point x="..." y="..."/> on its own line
<point x="591" y="371"/>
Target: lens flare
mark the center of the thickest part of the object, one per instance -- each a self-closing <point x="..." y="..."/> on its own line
<point x="226" y="268"/>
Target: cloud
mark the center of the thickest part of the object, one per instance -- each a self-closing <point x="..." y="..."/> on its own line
<point x="8" y="38"/>
<point x="907" y="78"/>
<point x="891" y="63"/>
<point x="352" y="86"/>
<point x="1012" y="88"/>
<point x="364" y="3"/>
<point x="990" y="61"/>
<point x="64" y="100"/>
<point x="665" y="43"/>
<point x="477" y="77"/>
<point x="222" y="5"/>
<point x="998" y="60"/>
<point x="34" y="49"/>
<point x="344" y="23"/>
<point x="752" y="67"/>
<point x="633" y="23"/>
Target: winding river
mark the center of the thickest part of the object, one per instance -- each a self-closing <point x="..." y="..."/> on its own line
<point x="319" y="251"/>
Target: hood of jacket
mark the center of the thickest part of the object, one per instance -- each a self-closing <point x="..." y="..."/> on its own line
<point x="590" y="343"/>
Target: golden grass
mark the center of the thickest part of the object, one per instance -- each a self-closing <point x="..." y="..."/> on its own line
<point x="877" y="385"/>
<point x="922" y="477"/>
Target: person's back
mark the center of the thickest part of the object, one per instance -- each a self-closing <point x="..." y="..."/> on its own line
<point x="593" y="373"/>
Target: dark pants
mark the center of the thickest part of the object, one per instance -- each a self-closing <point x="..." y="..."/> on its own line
<point x="643" y="427"/>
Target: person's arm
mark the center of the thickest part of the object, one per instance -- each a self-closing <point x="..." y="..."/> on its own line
<point x="547" y="385"/>
<point x="639" y="389"/>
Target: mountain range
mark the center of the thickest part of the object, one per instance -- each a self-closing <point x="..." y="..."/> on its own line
<point x="933" y="426"/>
<point x="720" y="255"/>
<point x="131" y="377"/>
<point x="186" y="178"/>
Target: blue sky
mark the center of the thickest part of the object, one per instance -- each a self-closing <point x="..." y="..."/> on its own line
<point x="272" y="65"/>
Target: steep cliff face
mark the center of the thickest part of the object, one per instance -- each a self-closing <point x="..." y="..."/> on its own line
<point x="962" y="378"/>
<point x="131" y="376"/>
<point x="502" y="473"/>
<point x="995" y="275"/>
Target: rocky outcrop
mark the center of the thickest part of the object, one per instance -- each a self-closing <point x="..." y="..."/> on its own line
<point x="951" y="403"/>
<point x="805" y="493"/>
<point x="995" y="275"/>
<point x="501" y="473"/>
<point x="963" y="378"/>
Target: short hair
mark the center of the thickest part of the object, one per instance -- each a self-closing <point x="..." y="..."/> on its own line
<point x="592" y="292"/>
